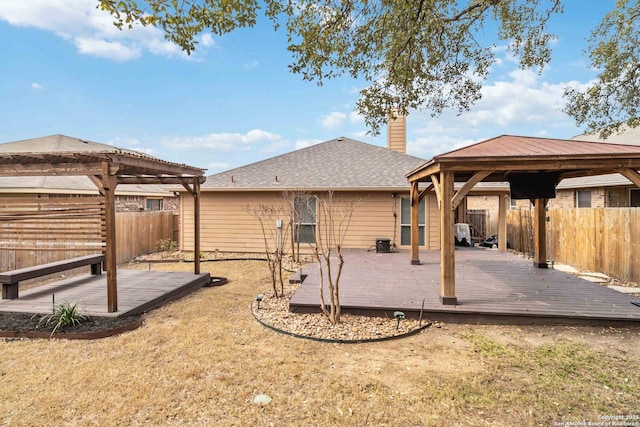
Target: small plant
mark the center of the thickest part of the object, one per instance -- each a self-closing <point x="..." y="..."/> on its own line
<point x="163" y="245"/>
<point x="64" y="315"/>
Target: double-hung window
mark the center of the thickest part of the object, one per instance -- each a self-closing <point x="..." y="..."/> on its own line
<point x="305" y="219"/>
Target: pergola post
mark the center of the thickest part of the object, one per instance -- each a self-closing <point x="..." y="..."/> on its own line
<point x="193" y="188"/>
<point x="539" y="233"/>
<point x="502" y="223"/>
<point x="447" y="243"/>
<point x="109" y="183"/>
<point x="196" y="225"/>
<point x="415" y="226"/>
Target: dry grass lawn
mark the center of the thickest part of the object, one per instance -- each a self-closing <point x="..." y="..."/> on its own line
<point x="201" y="360"/>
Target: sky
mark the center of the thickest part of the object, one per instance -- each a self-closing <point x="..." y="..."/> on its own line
<point x="65" y="69"/>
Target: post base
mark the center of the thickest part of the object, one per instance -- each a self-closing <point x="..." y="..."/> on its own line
<point x="415" y="262"/>
<point x="448" y="300"/>
<point x="540" y="265"/>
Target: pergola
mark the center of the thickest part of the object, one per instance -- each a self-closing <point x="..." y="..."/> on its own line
<point x="532" y="166"/>
<point x="106" y="167"/>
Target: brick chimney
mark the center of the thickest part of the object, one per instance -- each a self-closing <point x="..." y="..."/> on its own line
<point x="397" y="133"/>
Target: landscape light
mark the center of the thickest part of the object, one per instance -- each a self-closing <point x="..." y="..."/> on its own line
<point x="259" y="298"/>
<point x="399" y="315"/>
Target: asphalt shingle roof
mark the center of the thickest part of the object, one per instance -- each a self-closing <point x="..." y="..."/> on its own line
<point x="627" y="136"/>
<point x="340" y="164"/>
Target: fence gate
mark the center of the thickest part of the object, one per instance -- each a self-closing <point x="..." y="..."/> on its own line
<point x="477" y="218"/>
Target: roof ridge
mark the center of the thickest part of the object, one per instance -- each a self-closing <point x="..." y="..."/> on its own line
<point x="315" y="147"/>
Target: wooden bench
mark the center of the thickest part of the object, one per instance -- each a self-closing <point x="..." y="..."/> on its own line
<point x="10" y="279"/>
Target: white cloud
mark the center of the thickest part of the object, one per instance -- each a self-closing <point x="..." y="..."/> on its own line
<point x="148" y="151"/>
<point x="207" y="40"/>
<point x="354" y="117"/>
<point x="522" y="104"/>
<point x="225" y="142"/>
<point x="251" y="65"/>
<point x="215" y="167"/>
<point x="90" y="29"/>
<point x="36" y="86"/>
<point x="122" y="142"/>
<point x="333" y="120"/>
<point x="110" y="50"/>
<point x="304" y="143"/>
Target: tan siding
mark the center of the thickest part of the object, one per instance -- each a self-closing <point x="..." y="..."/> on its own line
<point x="228" y="227"/>
<point x="433" y="222"/>
<point x="397" y="134"/>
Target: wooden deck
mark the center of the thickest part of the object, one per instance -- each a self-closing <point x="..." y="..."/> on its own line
<point x="138" y="291"/>
<point x="491" y="286"/>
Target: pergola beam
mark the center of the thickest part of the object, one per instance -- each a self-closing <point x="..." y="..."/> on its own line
<point x="424" y="192"/>
<point x="462" y="193"/>
<point x="49" y="169"/>
<point x="436" y="186"/>
<point x="631" y="175"/>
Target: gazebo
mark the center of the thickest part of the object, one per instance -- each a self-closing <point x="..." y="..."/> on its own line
<point x="106" y="166"/>
<point x="532" y="167"/>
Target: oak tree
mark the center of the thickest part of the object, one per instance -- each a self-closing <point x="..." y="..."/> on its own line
<point x="422" y="54"/>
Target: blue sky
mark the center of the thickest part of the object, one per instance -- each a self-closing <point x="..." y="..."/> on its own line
<point x="65" y="69"/>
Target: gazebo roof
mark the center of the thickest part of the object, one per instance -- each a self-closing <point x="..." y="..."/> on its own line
<point x="507" y="153"/>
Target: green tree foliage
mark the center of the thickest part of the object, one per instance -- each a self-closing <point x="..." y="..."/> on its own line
<point x="614" y="50"/>
<point x="430" y="54"/>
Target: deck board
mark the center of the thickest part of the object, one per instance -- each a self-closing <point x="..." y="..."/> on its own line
<point x="490" y="286"/>
<point x="138" y="291"/>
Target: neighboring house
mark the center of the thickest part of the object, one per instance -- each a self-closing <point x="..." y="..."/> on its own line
<point x="599" y="191"/>
<point x="353" y="170"/>
<point x="608" y="191"/>
<point x="129" y="197"/>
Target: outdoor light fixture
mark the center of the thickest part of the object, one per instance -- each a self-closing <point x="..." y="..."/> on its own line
<point x="259" y="298"/>
<point x="399" y="315"/>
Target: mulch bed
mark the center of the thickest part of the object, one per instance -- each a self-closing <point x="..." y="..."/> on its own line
<point x="26" y="325"/>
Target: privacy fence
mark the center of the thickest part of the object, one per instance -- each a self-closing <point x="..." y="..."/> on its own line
<point x="35" y="231"/>
<point x="597" y="239"/>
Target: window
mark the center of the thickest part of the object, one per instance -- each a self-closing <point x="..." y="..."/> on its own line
<point x="634" y="198"/>
<point x="405" y="221"/>
<point x="154" y="205"/>
<point x="583" y="198"/>
<point x="305" y="219"/>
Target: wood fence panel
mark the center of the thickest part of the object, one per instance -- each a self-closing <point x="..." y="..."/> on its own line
<point x="596" y="239"/>
<point x="136" y="234"/>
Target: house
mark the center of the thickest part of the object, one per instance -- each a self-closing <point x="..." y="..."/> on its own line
<point x="353" y="170"/>
<point x="129" y="197"/>
<point x="603" y="191"/>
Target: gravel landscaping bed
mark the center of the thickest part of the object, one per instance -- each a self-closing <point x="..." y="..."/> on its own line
<point x="274" y="312"/>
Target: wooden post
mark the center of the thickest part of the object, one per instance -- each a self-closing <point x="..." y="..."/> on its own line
<point x="109" y="183"/>
<point x="539" y="233"/>
<point x="447" y="243"/>
<point x="415" y="223"/>
<point x="502" y="223"/>
<point x="461" y="211"/>
<point x="196" y="225"/>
